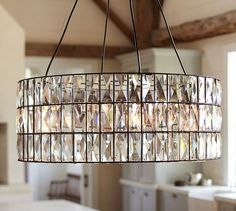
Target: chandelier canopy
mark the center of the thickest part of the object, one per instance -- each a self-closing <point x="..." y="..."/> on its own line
<point x="119" y="117"/>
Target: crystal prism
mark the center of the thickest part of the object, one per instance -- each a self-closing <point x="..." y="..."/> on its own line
<point x="25" y="93"/>
<point x="219" y="145"/>
<point x="30" y="120"/>
<point x="211" y="146"/>
<point x="161" y="146"/>
<point x="92" y="88"/>
<point x="93" y="118"/>
<point x="56" y="90"/>
<point x="217" y="118"/>
<point x="149" y="117"/>
<point x="107" y="148"/>
<point x="184" y="146"/>
<point x="107" y="88"/>
<point x="55" y="118"/>
<point x="173" y="88"/>
<point x="148" y="88"/>
<point x="193" y="146"/>
<point x="209" y="90"/>
<point x="19" y="120"/>
<point x="193" y="118"/>
<point x="120" y="147"/>
<point x="30" y="92"/>
<point x="184" y="122"/>
<point x="25" y="146"/>
<point x="38" y="91"/>
<point x="46" y="94"/>
<point x="37" y="117"/>
<point x="173" y="117"/>
<point x="37" y="148"/>
<point x="79" y="90"/>
<point x="161" y="88"/>
<point x="67" y="148"/>
<point x="66" y="118"/>
<point x="208" y="117"/>
<point x="93" y="145"/>
<point x="192" y="89"/>
<point x="25" y="119"/>
<point x="20" y="140"/>
<point x="134" y="88"/>
<point x="80" y="147"/>
<point x="201" y="90"/>
<point x="218" y="93"/>
<point x="46" y="119"/>
<point x="149" y="153"/>
<point x="202" y="118"/>
<point x="173" y="147"/>
<point x="45" y="148"/>
<point x="67" y="84"/>
<point x="121" y="117"/>
<point x="183" y="95"/>
<point x="202" y="146"/>
<point x="134" y="117"/>
<point x="135" y="147"/>
<point x="56" y="147"/>
<point x="161" y="116"/>
<point x="19" y="99"/>
<point x="121" y="88"/>
<point x="79" y="118"/>
<point x="107" y="117"/>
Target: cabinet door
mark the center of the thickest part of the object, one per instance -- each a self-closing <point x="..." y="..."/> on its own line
<point x="135" y="202"/>
<point x="126" y="198"/>
<point x="147" y="173"/>
<point x="176" y="202"/>
<point x="227" y="207"/>
<point x="148" y="200"/>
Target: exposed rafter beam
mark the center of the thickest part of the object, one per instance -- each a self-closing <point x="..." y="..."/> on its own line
<point x="73" y="51"/>
<point x="115" y="19"/>
<point x="199" y="29"/>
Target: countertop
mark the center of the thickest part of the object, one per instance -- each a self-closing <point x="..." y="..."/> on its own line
<point x="226" y="197"/>
<point x="58" y="205"/>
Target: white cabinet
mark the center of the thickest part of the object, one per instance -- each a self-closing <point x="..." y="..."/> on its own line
<point x="226" y="207"/>
<point x="172" y="201"/>
<point x="138" y="199"/>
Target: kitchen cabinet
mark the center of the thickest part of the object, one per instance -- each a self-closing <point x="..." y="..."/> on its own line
<point x="226" y="207"/>
<point x="138" y="199"/>
<point x="173" y="201"/>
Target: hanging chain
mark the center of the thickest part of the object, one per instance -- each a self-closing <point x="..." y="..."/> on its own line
<point x="62" y="36"/>
<point x="170" y="35"/>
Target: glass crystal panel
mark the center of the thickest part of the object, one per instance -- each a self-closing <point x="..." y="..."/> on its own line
<point x="184" y="86"/>
<point x="208" y="120"/>
<point x="161" y="116"/>
<point x="173" y="88"/>
<point x="79" y="118"/>
<point x="201" y="89"/>
<point x="148" y="88"/>
<point x="173" y="147"/>
<point x="217" y="118"/>
<point x="20" y="140"/>
<point x="135" y="147"/>
<point x="173" y="117"/>
<point x="107" y="148"/>
<point x="134" y="117"/>
<point x="149" y="150"/>
<point x="209" y="90"/>
<point x="92" y="88"/>
<point x="218" y="93"/>
<point x="56" y="90"/>
<point x="161" y="146"/>
<point x="55" y="147"/>
<point x="193" y="146"/>
<point x="193" y="118"/>
<point x="184" y="121"/>
<point x="55" y="118"/>
<point x="184" y="146"/>
<point x="30" y="120"/>
<point x="46" y="148"/>
<point x="192" y="89"/>
<point x="38" y="118"/>
<point x="46" y="94"/>
<point x="80" y="147"/>
<point x="67" y="118"/>
<point x="160" y="88"/>
<point x="30" y="92"/>
<point x="19" y="121"/>
<point x="25" y="146"/>
<point x="107" y="117"/>
<point x="93" y="147"/>
<point x="67" y="148"/>
<point x="202" y="146"/>
<point x="92" y="118"/>
<point x="202" y="118"/>
<point x="46" y="119"/>
<point x="67" y="84"/>
<point x="107" y="88"/>
<point x="135" y="88"/>
<point x="148" y="116"/>
<point x="19" y="98"/>
<point x="121" y="117"/>
<point x="121" y="147"/>
<point x="219" y="145"/>
<point x="25" y="92"/>
<point x="211" y="146"/>
<point x="79" y="89"/>
<point x="37" y="148"/>
<point x="25" y="119"/>
<point x="121" y="87"/>
<point x="38" y="91"/>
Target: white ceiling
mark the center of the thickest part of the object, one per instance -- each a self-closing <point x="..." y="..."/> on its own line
<point x="43" y="21"/>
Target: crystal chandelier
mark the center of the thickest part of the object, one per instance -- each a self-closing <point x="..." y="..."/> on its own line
<point x="118" y="117"/>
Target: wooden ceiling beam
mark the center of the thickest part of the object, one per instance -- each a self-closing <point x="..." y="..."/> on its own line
<point x="115" y="19"/>
<point x="197" y="30"/>
<point x="73" y="51"/>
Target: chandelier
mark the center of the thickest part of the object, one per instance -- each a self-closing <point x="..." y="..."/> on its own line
<point x="118" y="117"/>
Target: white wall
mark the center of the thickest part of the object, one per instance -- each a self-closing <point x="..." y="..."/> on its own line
<point x="12" y="42"/>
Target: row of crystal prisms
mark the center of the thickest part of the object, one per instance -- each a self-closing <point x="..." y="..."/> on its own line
<point x="118" y="118"/>
<point x="135" y="147"/>
<point x="108" y="88"/>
